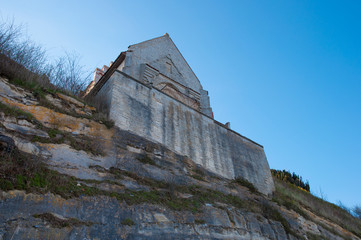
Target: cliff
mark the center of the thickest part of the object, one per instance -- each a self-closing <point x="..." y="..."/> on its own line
<point x="67" y="173"/>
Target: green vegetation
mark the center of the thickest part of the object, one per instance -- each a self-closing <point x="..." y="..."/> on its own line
<point x="36" y="88"/>
<point x="147" y="160"/>
<point x="243" y="182"/>
<point x="61" y="223"/>
<point x="6" y="185"/>
<point x="40" y="92"/>
<point x="291" y="178"/>
<point x="80" y="142"/>
<point x="199" y="221"/>
<point x="271" y="212"/>
<point x="312" y="236"/>
<point x="15" y="112"/>
<point x="53" y="132"/>
<point x="26" y="172"/>
<point x="294" y="198"/>
<point x="198" y="174"/>
<point x="128" y="222"/>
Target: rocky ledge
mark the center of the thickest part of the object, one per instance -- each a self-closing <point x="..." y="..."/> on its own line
<point x="66" y="174"/>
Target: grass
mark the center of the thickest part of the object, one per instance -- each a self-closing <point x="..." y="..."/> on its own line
<point x="198" y="177"/>
<point x="199" y="221"/>
<point x="40" y="92"/>
<point x="34" y="87"/>
<point x="25" y="172"/>
<point x="243" y="182"/>
<point x="283" y="199"/>
<point x="61" y="223"/>
<point x="312" y="236"/>
<point x="80" y="142"/>
<point x="198" y="174"/>
<point x="292" y="197"/>
<point x="270" y="212"/>
<point x="147" y="160"/>
<point x="53" y="132"/>
<point x="15" y="112"/>
<point x="128" y="222"/>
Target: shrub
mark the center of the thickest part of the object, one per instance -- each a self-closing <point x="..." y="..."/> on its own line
<point x="243" y="182"/>
<point x="270" y="212"/>
<point x="291" y="178"/>
<point x="128" y="222"/>
<point x="6" y="185"/>
<point x="199" y="221"/>
<point x="146" y="159"/>
<point x="25" y="63"/>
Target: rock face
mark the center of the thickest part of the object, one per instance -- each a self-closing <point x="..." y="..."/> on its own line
<point x="155" y="94"/>
<point x="106" y="216"/>
<point x="140" y="189"/>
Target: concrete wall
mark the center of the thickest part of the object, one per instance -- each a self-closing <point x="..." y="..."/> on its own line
<point x="152" y="114"/>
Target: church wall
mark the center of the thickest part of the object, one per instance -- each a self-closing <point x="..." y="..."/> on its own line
<point x="152" y="114"/>
<point x="156" y="53"/>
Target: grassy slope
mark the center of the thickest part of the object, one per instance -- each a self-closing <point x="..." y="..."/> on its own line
<point x="294" y="198"/>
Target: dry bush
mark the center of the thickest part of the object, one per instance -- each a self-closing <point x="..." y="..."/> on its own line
<point x="22" y="59"/>
<point x="357" y="211"/>
<point x="68" y="74"/>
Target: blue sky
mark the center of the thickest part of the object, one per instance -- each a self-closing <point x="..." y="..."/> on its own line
<point x="286" y="74"/>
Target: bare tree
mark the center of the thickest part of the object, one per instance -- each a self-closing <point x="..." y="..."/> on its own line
<point x="29" y="61"/>
<point x="343" y="206"/>
<point x="68" y="74"/>
<point x="18" y="47"/>
<point x="9" y="34"/>
<point x="357" y="211"/>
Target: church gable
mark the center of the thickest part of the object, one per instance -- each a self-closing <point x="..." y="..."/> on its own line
<point x="158" y="64"/>
<point x="166" y="66"/>
<point x="163" y="57"/>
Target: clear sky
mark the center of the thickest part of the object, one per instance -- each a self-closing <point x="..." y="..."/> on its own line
<point x="286" y="74"/>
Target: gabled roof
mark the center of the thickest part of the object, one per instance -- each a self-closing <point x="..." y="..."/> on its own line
<point x="122" y="56"/>
<point x="167" y="38"/>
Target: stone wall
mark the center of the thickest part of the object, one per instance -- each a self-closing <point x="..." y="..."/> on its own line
<point x="158" y="117"/>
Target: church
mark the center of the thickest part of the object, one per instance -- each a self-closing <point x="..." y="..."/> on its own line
<point x="151" y="91"/>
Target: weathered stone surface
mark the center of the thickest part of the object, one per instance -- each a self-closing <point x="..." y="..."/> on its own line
<point x="28" y="147"/>
<point x="25" y="130"/>
<point x="101" y="217"/>
<point x="17" y="220"/>
<point x="10" y="91"/>
<point x="8" y="141"/>
<point x="71" y="100"/>
<point x="154" y="93"/>
<point x="157" y="117"/>
<point x="64" y="122"/>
